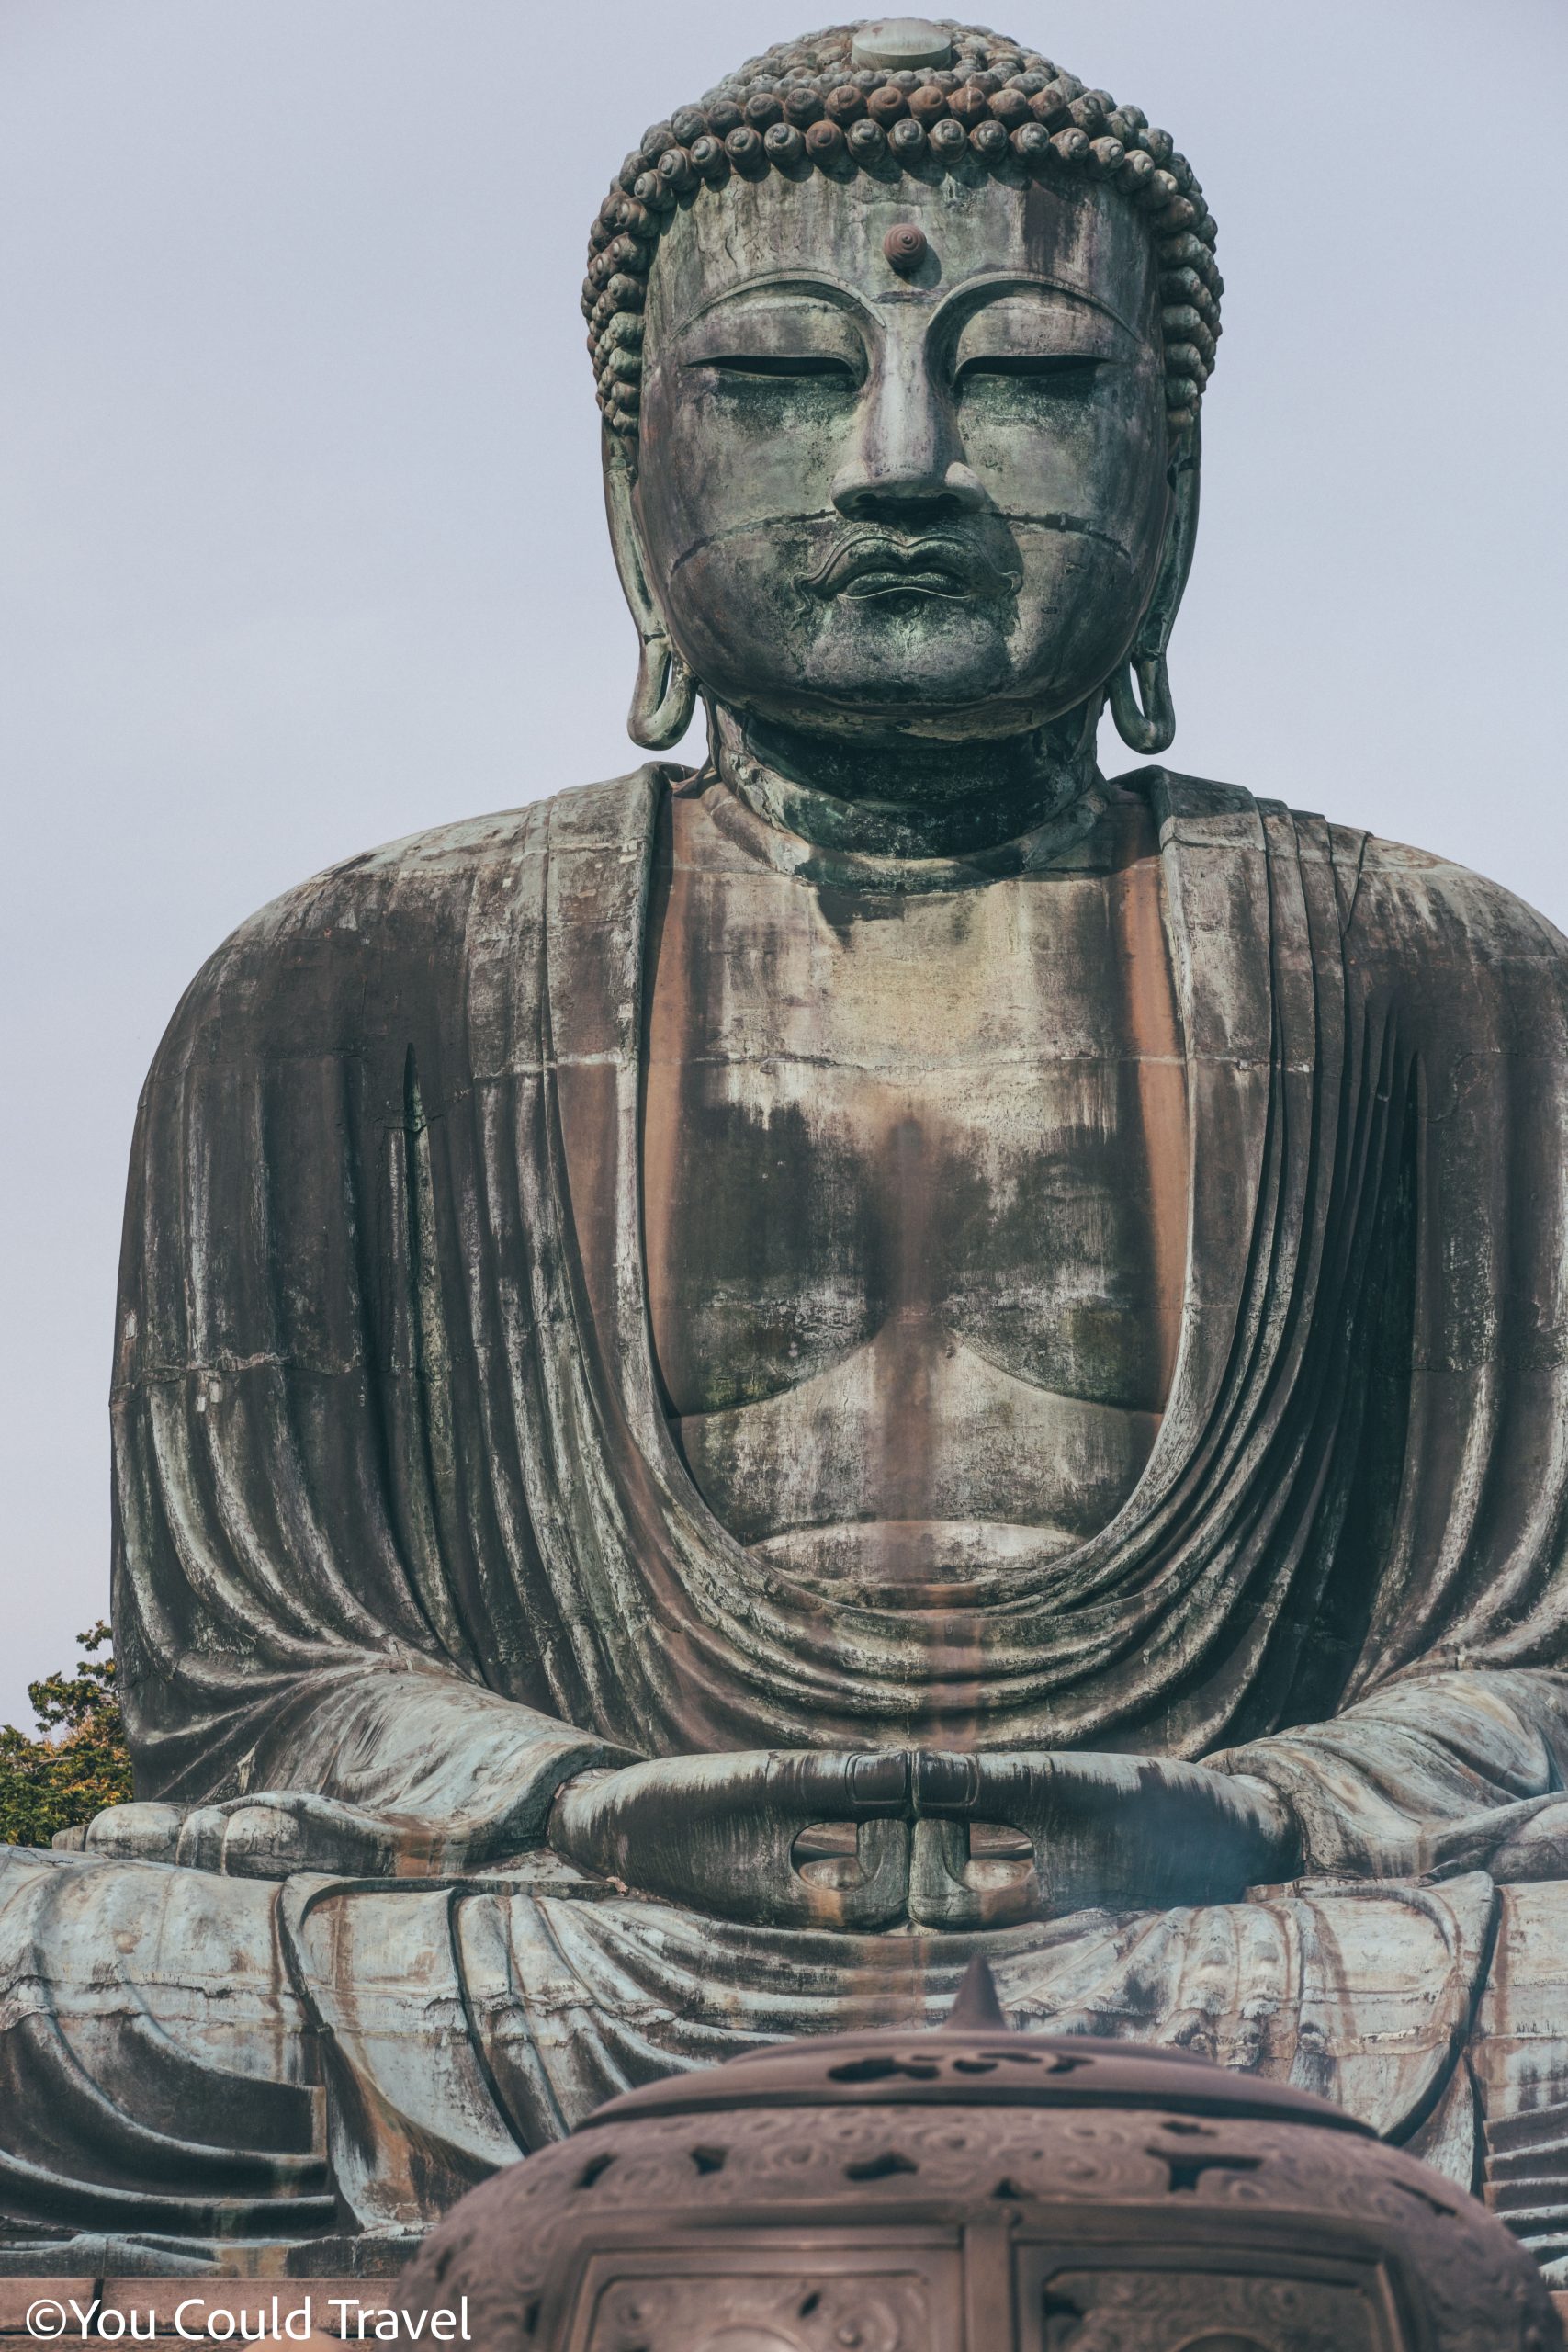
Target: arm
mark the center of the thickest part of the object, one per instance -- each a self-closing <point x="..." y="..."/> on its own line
<point x="376" y="1771"/>
<point x="1449" y="1752"/>
<point x="328" y="1586"/>
<point x="1436" y="1772"/>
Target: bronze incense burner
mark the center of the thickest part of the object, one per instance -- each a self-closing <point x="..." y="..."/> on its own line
<point x="972" y="2189"/>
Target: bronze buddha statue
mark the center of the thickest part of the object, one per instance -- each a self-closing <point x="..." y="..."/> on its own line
<point x="735" y="1386"/>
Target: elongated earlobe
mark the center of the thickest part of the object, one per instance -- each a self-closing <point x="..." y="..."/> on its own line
<point x="1153" y="727"/>
<point x="665" y="696"/>
<point x="1141" y="702"/>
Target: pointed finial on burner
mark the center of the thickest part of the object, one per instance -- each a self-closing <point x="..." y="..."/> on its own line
<point x="976" y="2006"/>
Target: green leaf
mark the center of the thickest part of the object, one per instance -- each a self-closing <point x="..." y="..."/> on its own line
<point x="78" y="1762"/>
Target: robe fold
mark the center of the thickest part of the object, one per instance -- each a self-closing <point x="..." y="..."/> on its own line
<point x="386" y="1406"/>
<point x="400" y="1521"/>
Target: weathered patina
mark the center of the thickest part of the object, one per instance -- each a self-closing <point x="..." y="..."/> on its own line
<point x="733" y="1385"/>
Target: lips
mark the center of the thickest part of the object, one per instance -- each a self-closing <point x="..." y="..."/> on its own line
<point x="880" y="563"/>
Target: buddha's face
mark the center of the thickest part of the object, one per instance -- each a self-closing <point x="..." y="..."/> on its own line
<point x="883" y="503"/>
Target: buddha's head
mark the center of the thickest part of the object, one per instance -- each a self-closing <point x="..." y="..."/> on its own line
<point x="900" y="336"/>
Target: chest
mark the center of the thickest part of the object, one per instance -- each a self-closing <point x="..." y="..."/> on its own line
<point x="961" y="1113"/>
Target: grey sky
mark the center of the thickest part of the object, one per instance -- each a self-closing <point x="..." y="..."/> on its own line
<point x="301" y="545"/>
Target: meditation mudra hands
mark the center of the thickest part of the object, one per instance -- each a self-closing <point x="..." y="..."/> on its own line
<point x="809" y="1839"/>
<point x="950" y="1841"/>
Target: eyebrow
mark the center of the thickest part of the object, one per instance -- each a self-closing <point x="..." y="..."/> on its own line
<point x="978" y="291"/>
<point x="833" y="292"/>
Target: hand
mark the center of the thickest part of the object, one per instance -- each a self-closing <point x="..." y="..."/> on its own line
<point x="1095" y="1832"/>
<point x="276" y="1833"/>
<point x="719" y="1832"/>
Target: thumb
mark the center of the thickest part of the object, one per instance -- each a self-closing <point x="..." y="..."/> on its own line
<point x="807" y="1785"/>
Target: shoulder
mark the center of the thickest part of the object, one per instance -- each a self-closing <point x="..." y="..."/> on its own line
<point x="321" y="961"/>
<point x="431" y="875"/>
<point x="1435" y="914"/>
<point x="1414" y="904"/>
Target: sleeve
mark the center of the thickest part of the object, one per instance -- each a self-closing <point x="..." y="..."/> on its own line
<point x="326" y="1579"/>
<point x="1433" y="1773"/>
<point x="1452" y="1730"/>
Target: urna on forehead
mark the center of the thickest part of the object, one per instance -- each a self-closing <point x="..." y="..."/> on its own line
<point x="895" y="104"/>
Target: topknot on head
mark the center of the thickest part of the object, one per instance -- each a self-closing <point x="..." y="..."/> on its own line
<point x="901" y="96"/>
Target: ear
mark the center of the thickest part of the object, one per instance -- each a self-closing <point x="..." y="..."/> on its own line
<point x="1152" y="727"/>
<point x="665" y="695"/>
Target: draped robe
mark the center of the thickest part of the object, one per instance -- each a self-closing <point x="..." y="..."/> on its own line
<point x="401" y="1519"/>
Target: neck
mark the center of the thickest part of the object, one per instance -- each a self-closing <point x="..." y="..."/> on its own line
<point x="909" y="800"/>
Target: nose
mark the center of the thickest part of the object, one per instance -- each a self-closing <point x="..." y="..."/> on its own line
<point x="906" y="467"/>
<point x="906" y="500"/>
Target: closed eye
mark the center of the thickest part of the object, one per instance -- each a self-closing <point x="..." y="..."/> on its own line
<point x="1062" y="368"/>
<point x="818" y="364"/>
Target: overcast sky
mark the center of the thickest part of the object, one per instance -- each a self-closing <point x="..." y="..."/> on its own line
<point x="301" y="546"/>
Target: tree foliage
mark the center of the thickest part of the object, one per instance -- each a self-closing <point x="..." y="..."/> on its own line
<point x="77" y="1763"/>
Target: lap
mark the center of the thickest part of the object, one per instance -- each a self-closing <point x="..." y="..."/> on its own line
<point x="470" y="2021"/>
